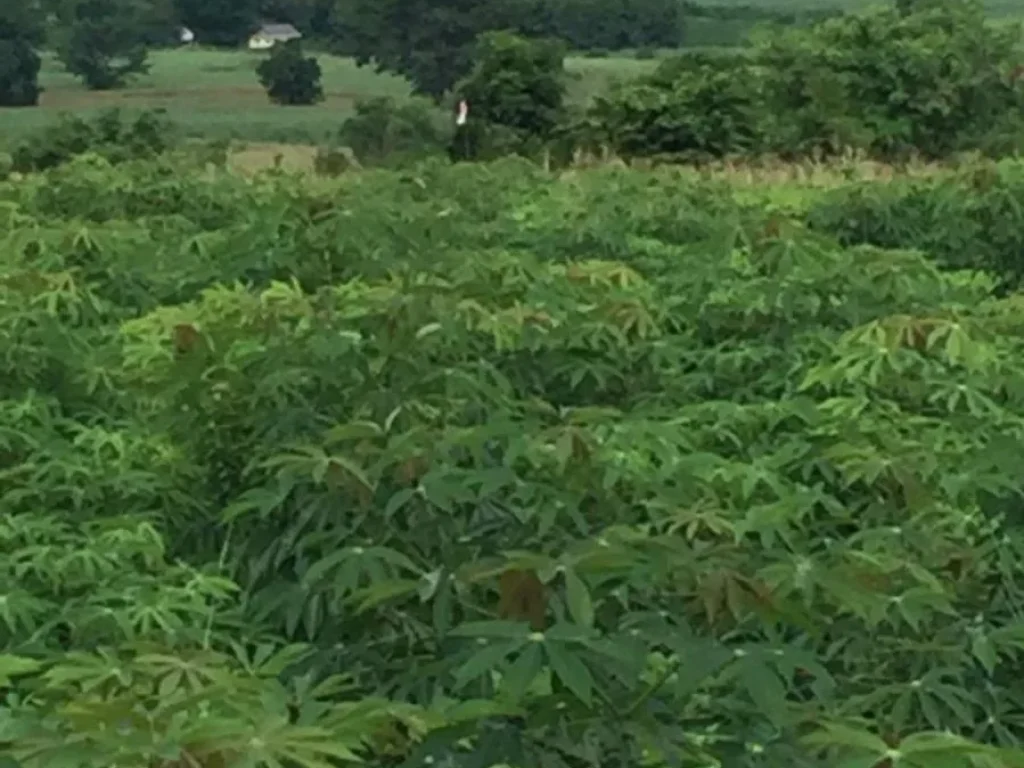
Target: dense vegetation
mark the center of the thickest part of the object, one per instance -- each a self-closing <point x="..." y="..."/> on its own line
<point x="925" y="77"/>
<point x="917" y="78"/>
<point x="475" y="465"/>
<point x="478" y="465"/>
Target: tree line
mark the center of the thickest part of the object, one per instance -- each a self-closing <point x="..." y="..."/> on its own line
<point x="428" y="41"/>
<point x="924" y="78"/>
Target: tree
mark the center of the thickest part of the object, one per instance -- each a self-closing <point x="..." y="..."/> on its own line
<point x="19" y="73"/>
<point x="517" y="83"/>
<point x="925" y="76"/>
<point x="930" y="77"/>
<point x="428" y="41"/>
<point x="103" y="41"/>
<point x="290" y="77"/>
<point x="431" y="41"/>
<point x="218" y="22"/>
<point x="20" y="32"/>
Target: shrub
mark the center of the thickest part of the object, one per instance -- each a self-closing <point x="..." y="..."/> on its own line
<point x="929" y="78"/>
<point x="475" y="466"/>
<point x="386" y="131"/>
<point x="289" y="77"/>
<point x="974" y="220"/>
<point x="109" y="135"/>
<point x="515" y="92"/>
<point x="692" y="108"/>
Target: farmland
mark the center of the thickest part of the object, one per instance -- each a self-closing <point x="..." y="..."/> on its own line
<point x="205" y="91"/>
<point x="679" y="431"/>
<point x="449" y="462"/>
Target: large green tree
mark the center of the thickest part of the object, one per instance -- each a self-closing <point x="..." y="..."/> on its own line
<point x="103" y="41"/>
<point x="20" y="33"/>
<point x="430" y="42"/>
<point x="927" y="77"/>
<point x="517" y="82"/>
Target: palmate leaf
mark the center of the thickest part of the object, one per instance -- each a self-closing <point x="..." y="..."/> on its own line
<point x="624" y="431"/>
<point x="491" y="657"/>
<point x="517" y="678"/>
<point x="578" y="599"/>
<point x="839" y="735"/>
<point x="381" y="592"/>
<point x="16" y="666"/>
<point x="568" y="668"/>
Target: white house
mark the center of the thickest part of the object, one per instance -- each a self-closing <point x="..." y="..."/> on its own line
<point x="270" y="34"/>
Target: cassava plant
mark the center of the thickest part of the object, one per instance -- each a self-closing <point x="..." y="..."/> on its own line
<point x="477" y="466"/>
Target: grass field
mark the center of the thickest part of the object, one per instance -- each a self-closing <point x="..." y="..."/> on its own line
<point x="216" y="95"/>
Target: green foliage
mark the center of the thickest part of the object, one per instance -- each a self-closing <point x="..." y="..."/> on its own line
<point x="290" y="77"/>
<point x="475" y="465"/>
<point x="20" y="33"/>
<point x="692" y="108"/>
<point x="19" y="73"/>
<point x="516" y="84"/>
<point x="103" y="41"/>
<point x="929" y="79"/>
<point x="426" y="41"/>
<point x="973" y="220"/>
<point x="432" y="42"/>
<point x="386" y="131"/>
<point x="110" y="135"/>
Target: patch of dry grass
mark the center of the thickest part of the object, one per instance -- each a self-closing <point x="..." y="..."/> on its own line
<point x="253" y="158"/>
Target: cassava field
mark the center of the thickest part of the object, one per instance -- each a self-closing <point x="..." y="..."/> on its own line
<point x="481" y="465"/>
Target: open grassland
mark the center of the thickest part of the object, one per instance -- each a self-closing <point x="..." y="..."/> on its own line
<point x="216" y="95"/>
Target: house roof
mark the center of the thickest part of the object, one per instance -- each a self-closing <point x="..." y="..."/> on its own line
<point x="279" y="31"/>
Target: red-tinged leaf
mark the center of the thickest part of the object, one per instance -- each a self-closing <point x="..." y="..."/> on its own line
<point x="185" y="337"/>
<point x="522" y="598"/>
